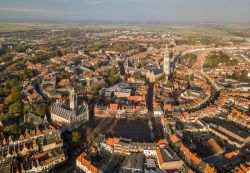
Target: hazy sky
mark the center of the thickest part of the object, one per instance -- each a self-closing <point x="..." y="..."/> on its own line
<point x="219" y="11"/>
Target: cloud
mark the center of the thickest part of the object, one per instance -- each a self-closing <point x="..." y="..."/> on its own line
<point x="28" y="10"/>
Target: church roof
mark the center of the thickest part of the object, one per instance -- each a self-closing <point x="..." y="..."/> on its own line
<point x="31" y="118"/>
<point x="65" y="113"/>
<point x="156" y="71"/>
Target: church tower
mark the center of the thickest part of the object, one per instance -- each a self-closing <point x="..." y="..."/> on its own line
<point x="126" y="65"/>
<point x="72" y="99"/>
<point x="166" y="62"/>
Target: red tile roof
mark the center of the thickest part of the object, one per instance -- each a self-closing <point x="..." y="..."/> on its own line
<point x="113" y="106"/>
<point x="209" y="169"/>
<point x="215" y="146"/>
<point x="232" y="154"/>
<point x="162" y="142"/>
<point x="87" y="164"/>
<point x="190" y="155"/>
<point x="112" y="141"/>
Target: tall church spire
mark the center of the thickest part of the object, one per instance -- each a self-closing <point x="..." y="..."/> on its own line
<point x="166" y="62"/>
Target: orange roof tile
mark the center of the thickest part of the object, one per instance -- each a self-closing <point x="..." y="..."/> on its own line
<point x="162" y="141"/>
<point x="38" y="132"/>
<point x="190" y="171"/>
<point x="4" y="142"/>
<point x="40" y="155"/>
<point x="168" y="107"/>
<point x="135" y="98"/>
<point x="87" y="164"/>
<point x="215" y="146"/>
<point x="209" y="169"/>
<point x="232" y="154"/>
<point x="59" y="156"/>
<point x="112" y="141"/>
<point x="64" y="82"/>
<point x="29" y="87"/>
<point x="113" y="106"/>
<point x="137" y="107"/>
<point x="174" y="139"/>
<point x="47" y="161"/>
<point x="27" y="135"/>
<point x="190" y="155"/>
<point x="159" y="156"/>
<point x="244" y="168"/>
<point x="21" y="137"/>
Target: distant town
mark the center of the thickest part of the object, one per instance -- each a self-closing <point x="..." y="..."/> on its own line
<point x="125" y="99"/>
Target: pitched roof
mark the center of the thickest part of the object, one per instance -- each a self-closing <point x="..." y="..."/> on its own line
<point x="174" y="139"/>
<point x="87" y="164"/>
<point x="112" y="141"/>
<point x="159" y="156"/>
<point x="244" y="168"/>
<point x="215" y="146"/>
<point x="156" y="71"/>
<point x="21" y="137"/>
<point x="64" y="82"/>
<point x="38" y="132"/>
<point x="10" y="140"/>
<point x="190" y="155"/>
<point x="162" y="141"/>
<point x="65" y="113"/>
<point x="135" y="98"/>
<point x="168" y="107"/>
<point x="32" y="118"/>
<point x="232" y="154"/>
<point x="26" y="134"/>
<point x="30" y="87"/>
<point x="4" y="142"/>
<point x="209" y="169"/>
<point x="113" y="106"/>
<point x="190" y="171"/>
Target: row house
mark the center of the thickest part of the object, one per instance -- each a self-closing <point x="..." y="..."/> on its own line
<point x="120" y="111"/>
<point x="30" y="145"/>
<point x="125" y="146"/>
<point x="191" y="160"/>
<point x="41" y="162"/>
<point x="83" y="164"/>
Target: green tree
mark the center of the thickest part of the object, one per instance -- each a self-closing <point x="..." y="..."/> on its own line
<point x="9" y="83"/>
<point x="112" y="80"/>
<point x="170" y="83"/>
<point x="113" y="71"/>
<point x="11" y="129"/>
<point x="26" y="108"/>
<point x="13" y="97"/>
<point x="1" y="108"/>
<point x="215" y="58"/>
<point x="2" y="117"/>
<point x="2" y="92"/>
<point x="15" y="108"/>
<point x="75" y="136"/>
<point x="39" y="110"/>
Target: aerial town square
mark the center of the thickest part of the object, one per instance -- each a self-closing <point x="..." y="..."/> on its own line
<point x="123" y="97"/>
